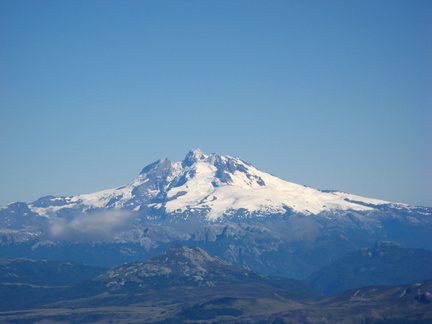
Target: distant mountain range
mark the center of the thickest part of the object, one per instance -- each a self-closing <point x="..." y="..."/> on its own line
<point x="46" y="273"/>
<point x="187" y="285"/>
<point x="387" y="263"/>
<point x="219" y="203"/>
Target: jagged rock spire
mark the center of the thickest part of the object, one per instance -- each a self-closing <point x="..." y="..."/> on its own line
<point x="194" y="156"/>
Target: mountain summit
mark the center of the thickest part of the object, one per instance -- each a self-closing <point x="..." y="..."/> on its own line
<point x="211" y="187"/>
<point x="191" y="266"/>
<point x="180" y="265"/>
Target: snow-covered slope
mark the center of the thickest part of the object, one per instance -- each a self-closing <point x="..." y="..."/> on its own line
<point x="211" y="186"/>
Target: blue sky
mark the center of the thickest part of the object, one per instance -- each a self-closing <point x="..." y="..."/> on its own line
<point x="329" y="94"/>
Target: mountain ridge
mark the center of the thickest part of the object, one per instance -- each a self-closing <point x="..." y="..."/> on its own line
<point x="182" y="265"/>
<point x="212" y="185"/>
<point x="219" y="203"/>
<point x="188" y="285"/>
<point x="386" y="263"/>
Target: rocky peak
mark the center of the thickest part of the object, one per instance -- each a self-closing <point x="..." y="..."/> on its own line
<point x="383" y="248"/>
<point x="179" y="266"/>
<point x="193" y="256"/>
<point x="157" y="167"/>
<point x="386" y="245"/>
<point x="195" y="155"/>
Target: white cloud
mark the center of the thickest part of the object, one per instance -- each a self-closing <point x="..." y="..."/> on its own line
<point x="90" y="227"/>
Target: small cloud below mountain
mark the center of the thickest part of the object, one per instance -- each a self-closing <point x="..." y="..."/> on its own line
<point x="90" y="227"/>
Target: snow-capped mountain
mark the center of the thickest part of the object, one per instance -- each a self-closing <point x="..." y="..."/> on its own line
<point x="220" y="203"/>
<point x="212" y="186"/>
